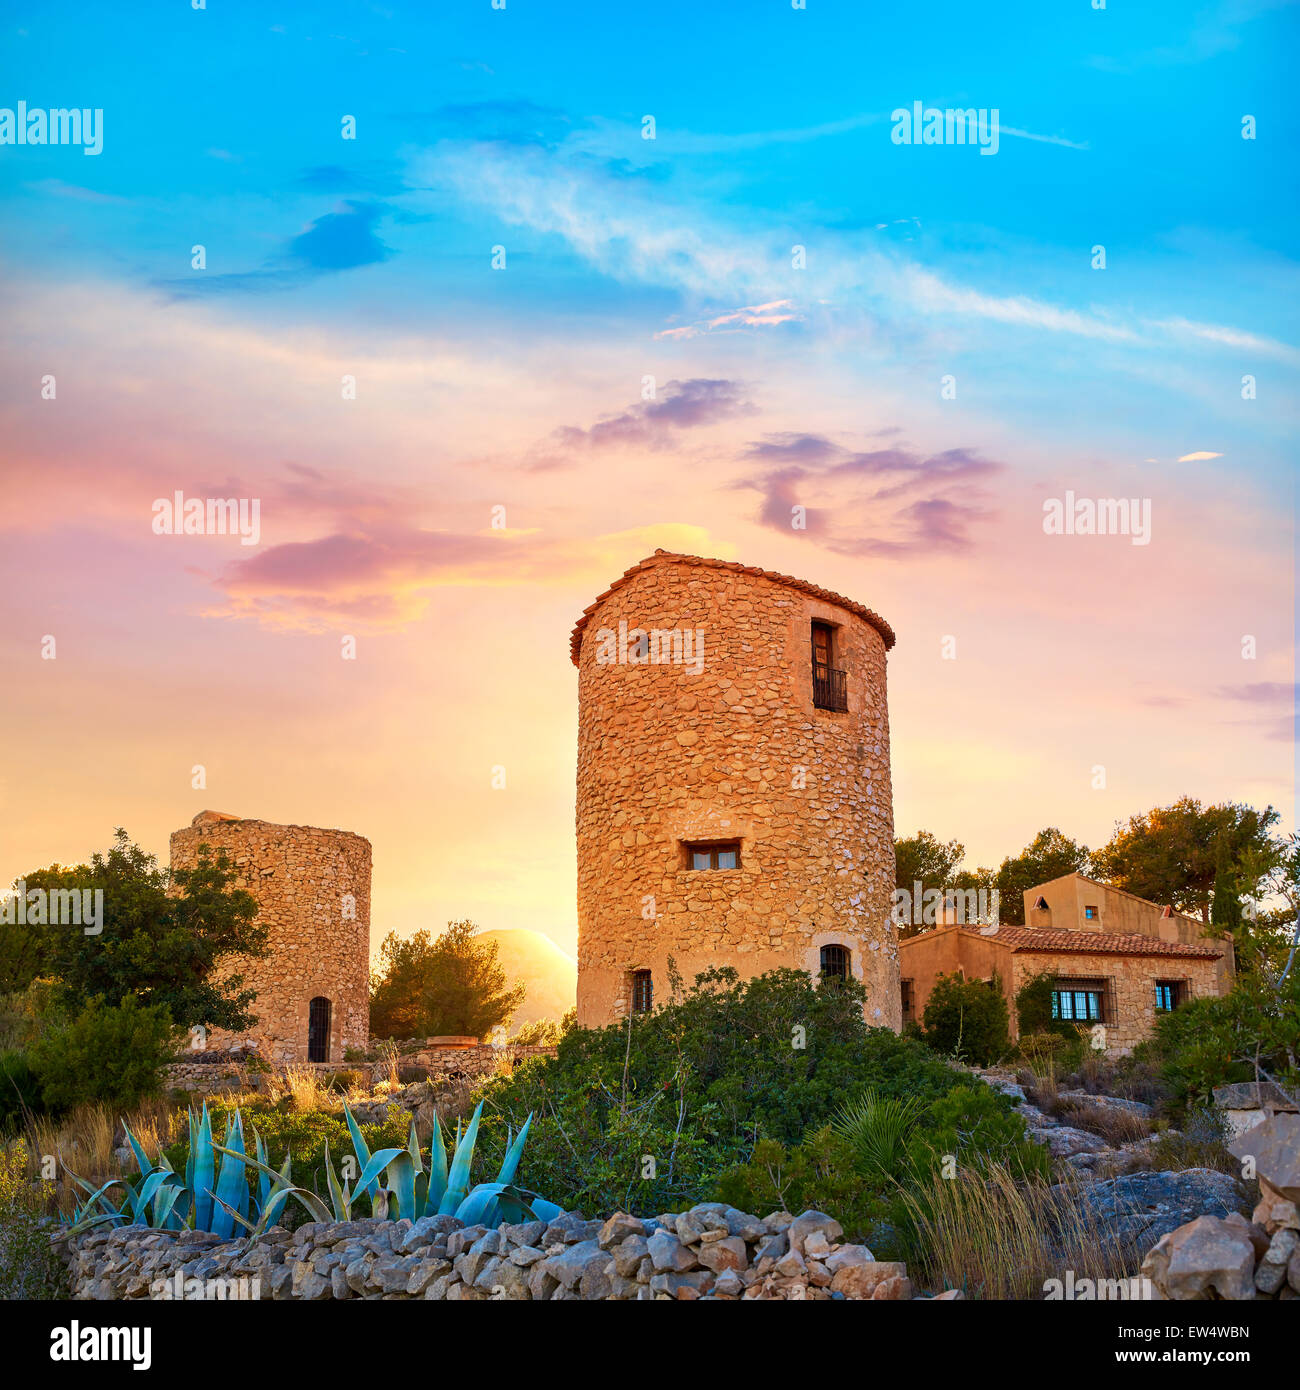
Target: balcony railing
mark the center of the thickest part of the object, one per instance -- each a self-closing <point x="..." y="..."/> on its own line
<point x="830" y="688"/>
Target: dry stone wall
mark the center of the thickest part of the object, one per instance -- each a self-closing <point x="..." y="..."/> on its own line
<point x="710" y="1252"/>
<point x="729" y="746"/>
<point x="313" y="891"/>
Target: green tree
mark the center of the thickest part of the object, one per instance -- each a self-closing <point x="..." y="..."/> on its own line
<point x="1171" y="854"/>
<point x="109" y="1053"/>
<point x="427" y="985"/>
<point x="968" y="1019"/>
<point x="923" y="859"/>
<point x="168" y="939"/>
<point x="1049" y="855"/>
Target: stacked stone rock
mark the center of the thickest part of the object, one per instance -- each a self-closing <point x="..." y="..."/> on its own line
<point x="1230" y="1257"/>
<point x="313" y="891"/>
<point x="670" y="755"/>
<point x="710" y="1252"/>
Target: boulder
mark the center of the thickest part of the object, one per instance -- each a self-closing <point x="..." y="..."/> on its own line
<point x="861" y="1280"/>
<point x="804" y="1225"/>
<point x="1274" y="1211"/>
<point x="618" y="1228"/>
<point x="728" y="1253"/>
<point x="1275" y="1148"/>
<point x="1063" y="1141"/>
<point x="571" y="1264"/>
<point x="1207" y="1256"/>
<point x="1139" y="1208"/>
<point x="667" y="1253"/>
<point x="1271" y="1272"/>
<point x="1134" y="1107"/>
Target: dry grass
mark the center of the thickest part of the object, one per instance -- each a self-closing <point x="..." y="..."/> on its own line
<point x="1115" y="1125"/>
<point x="995" y="1238"/>
<point x="87" y="1139"/>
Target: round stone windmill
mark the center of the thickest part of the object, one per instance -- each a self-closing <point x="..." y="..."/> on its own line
<point x="734" y="802"/>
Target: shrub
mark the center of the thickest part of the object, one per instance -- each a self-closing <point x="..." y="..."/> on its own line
<point x="20" y="1090"/>
<point x="29" y="1268"/>
<point x="1034" y="1008"/>
<point x="110" y="1053"/>
<point x="968" y="1019"/>
<point x="846" y="1170"/>
<point x="697" y="1084"/>
<point x="1211" y="1042"/>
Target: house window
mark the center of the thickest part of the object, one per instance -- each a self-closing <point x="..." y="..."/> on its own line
<point x="835" y="963"/>
<point x="318" y="1030"/>
<point x="722" y="855"/>
<point x="1079" y="1003"/>
<point x="1169" y="994"/>
<point x="643" y="991"/>
<point x="1040" y="904"/>
<point x="1091" y="914"/>
<point x="830" y="686"/>
<point x="905" y="987"/>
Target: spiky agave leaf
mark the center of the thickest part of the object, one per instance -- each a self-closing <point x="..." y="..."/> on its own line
<point x="205" y="1172"/>
<point x="401" y="1173"/>
<point x="437" y="1166"/>
<point x="319" y="1211"/>
<point x="513" y="1154"/>
<point x="141" y="1158"/>
<point x="458" y="1178"/>
<point x="359" y="1145"/>
<point x="263" y="1182"/>
<point x="231" y="1191"/>
<point x="339" y="1196"/>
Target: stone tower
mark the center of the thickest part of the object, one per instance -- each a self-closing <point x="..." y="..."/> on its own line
<point x="734" y="800"/>
<point x="313" y="891"/>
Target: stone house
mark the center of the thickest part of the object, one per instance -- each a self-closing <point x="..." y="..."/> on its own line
<point x="734" y="803"/>
<point x="1118" y="971"/>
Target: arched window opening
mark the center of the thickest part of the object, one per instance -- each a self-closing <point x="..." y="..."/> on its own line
<point x="318" y="1030"/>
<point x="835" y="963"/>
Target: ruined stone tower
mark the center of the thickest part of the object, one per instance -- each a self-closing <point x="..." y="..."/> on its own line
<point x="313" y="891"/>
<point x="734" y="800"/>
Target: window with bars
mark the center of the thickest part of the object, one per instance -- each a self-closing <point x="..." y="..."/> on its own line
<point x="722" y="855"/>
<point x="318" y="1030"/>
<point x="905" y="987"/>
<point x="1080" y="1002"/>
<point x="643" y="991"/>
<point x="835" y="963"/>
<point x="1169" y="995"/>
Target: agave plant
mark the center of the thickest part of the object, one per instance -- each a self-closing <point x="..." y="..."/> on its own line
<point x="396" y="1183"/>
<point x="214" y="1196"/>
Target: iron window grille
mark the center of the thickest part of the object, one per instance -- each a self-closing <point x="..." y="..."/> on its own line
<point x="318" y="1030"/>
<point x="643" y="992"/>
<point x="835" y="963"/>
<point x="1169" y="995"/>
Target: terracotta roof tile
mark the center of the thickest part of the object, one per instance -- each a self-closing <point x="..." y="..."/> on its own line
<point x="664" y="557"/>
<point x="1097" y="943"/>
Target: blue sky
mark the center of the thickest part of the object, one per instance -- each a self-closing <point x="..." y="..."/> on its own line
<point x="670" y="258"/>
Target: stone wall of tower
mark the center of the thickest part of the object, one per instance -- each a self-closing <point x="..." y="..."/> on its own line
<point x="669" y="755"/>
<point x="313" y="891"/>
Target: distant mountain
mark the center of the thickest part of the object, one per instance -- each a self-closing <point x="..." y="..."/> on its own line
<point x="550" y="976"/>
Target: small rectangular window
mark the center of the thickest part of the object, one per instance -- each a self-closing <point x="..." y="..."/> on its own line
<point x="1169" y="995"/>
<point x="1091" y="914"/>
<point x="723" y="855"/>
<point x="1078" y="1005"/>
<point x="905" y="987"/>
<point x="642" y="991"/>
